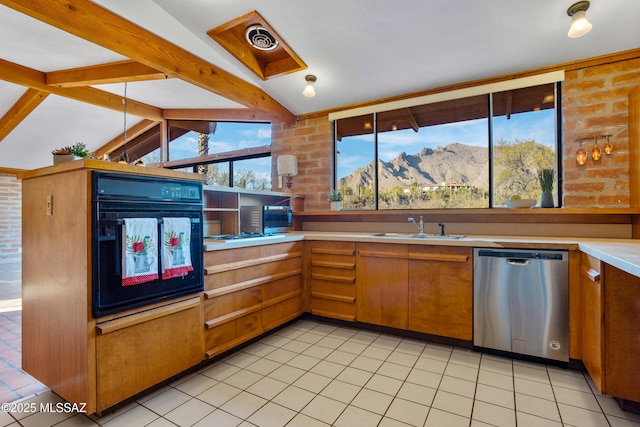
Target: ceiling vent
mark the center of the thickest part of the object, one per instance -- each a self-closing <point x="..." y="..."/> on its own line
<point x="260" y="38"/>
<point x="253" y="42"/>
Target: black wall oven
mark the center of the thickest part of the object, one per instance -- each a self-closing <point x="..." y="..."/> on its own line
<point x="134" y="266"/>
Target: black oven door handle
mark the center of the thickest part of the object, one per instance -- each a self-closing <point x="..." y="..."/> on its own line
<point x="119" y="222"/>
<point x="118" y="248"/>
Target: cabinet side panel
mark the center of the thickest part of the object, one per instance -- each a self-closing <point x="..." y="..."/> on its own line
<point x="622" y="341"/>
<point x="57" y="330"/>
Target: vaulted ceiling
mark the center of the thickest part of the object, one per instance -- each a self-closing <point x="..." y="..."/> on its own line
<point x="63" y="63"/>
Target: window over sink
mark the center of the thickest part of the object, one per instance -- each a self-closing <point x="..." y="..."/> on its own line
<point x="473" y="151"/>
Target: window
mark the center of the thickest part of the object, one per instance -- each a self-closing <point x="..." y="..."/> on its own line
<point x="471" y="152"/>
<point x="230" y="154"/>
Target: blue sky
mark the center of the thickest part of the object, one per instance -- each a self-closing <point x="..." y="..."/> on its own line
<point x="229" y="136"/>
<point x="357" y="152"/>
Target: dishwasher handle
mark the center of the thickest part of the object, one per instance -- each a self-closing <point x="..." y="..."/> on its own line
<point x="523" y="255"/>
<point x="518" y="262"/>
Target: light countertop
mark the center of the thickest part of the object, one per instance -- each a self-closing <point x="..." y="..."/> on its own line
<point x="620" y="253"/>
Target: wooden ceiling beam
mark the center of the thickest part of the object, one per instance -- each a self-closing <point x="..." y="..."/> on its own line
<point x="117" y="142"/>
<point x="35" y="79"/>
<point x="116" y="72"/>
<point x="219" y="114"/>
<point x="93" y="23"/>
<point x="21" y="109"/>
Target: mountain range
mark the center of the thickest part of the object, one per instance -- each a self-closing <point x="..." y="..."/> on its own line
<point x="454" y="164"/>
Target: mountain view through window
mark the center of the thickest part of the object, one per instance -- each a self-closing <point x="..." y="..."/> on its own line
<point x="451" y="154"/>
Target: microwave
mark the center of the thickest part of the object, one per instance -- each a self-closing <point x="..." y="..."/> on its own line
<point x="265" y="219"/>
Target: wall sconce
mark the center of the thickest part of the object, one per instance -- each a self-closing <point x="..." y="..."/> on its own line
<point x="309" y="91"/>
<point x="288" y="168"/>
<point x="581" y="154"/>
<point x="579" y="23"/>
<point x="367" y="125"/>
<point x="596" y="151"/>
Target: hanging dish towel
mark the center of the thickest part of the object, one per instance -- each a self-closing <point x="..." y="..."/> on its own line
<point x="140" y="254"/>
<point x="176" y="247"/>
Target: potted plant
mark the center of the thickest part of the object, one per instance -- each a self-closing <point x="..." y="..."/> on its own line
<point x="70" y="152"/>
<point x="335" y="197"/>
<point x="545" y="177"/>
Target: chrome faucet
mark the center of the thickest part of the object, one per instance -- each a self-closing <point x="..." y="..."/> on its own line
<point x="420" y="226"/>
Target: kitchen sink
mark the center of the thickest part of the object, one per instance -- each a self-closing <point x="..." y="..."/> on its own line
<point x="420" y="236"/>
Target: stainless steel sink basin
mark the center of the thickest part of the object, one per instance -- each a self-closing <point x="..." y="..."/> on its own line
<point x="420" y="236"/>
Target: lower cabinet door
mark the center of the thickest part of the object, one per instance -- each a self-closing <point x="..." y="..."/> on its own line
<point x="142" y="350"/>
<point x="441" y="291"/>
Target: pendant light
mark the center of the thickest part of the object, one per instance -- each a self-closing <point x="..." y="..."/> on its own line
<point x="581" y="154"/>
<point x="596" y="152"/>
<point x="608" y="148"/>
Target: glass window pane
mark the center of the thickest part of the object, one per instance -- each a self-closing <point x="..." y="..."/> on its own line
<point x="216" y="173"/>
<point x="254" y="174"/>
<point x="355" y="154"/>
<point x="524" y="139"/>
<point x="190" y="138"/>
<point x="434" y="156"/>
<point x="152" y="158"/>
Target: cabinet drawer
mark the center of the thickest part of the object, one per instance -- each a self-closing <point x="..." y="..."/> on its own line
<point x="332" y="279"/>
<point x="227" y="335"/>
<point x="229" y="303"/>
<point x="148" y="352"/>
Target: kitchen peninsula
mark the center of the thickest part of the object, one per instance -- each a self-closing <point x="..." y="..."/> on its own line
<point x="253" y="286"/>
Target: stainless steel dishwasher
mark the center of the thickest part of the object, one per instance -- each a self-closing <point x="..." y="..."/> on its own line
<point x="521" y="302"/>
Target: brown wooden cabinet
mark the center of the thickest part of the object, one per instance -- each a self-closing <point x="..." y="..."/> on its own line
<point x="382" y="294"/>
<point x="102" y="361"/>
<point x="332" y="278"/>
<point x="611" y="315"/>
<point x="621" y="337"/>
<point x="222" y="206"/>
<point x="441" y="291"/>
<point x="141" y="350"/>
<point x="249" y="291"/>
<point x="592" y="319"/>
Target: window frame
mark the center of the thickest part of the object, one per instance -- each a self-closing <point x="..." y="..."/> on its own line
<point x="143" y="141"/>
<point x="520" y="84"/>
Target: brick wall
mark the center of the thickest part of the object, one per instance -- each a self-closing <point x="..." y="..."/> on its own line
<point x="311" y="140"/>
<point x="594" y="102"/>
<point x="10" y="218"/>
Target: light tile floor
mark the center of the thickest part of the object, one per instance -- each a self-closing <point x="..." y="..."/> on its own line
<point x="317" y="374"/>
<point x="14" y="382"/>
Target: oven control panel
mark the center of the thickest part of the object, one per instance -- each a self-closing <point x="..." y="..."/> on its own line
<point x="178" y="192"/>
<point x="134" y="187"/>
